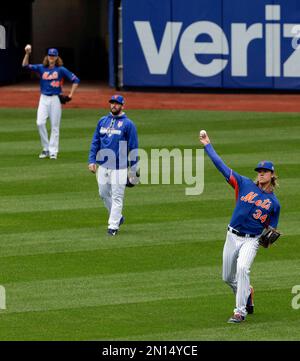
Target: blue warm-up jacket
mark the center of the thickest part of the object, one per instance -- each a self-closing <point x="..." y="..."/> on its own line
<point x="117" y="136"/>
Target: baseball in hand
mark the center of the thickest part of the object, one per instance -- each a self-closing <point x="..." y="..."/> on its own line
<point x="28" y="48"/>
<point x="202" y="133"/>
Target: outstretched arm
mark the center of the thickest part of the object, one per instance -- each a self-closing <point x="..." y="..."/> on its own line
<point x="216" y="159"/>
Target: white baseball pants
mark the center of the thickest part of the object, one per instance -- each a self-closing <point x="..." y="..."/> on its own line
<point x="112" y="183"/>
<point x="49" y="107"/>
<point x="238" y="256"/>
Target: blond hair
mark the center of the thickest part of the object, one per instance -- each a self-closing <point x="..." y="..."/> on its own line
<point x="274" y="182"/>
<point x="58" y="62"/>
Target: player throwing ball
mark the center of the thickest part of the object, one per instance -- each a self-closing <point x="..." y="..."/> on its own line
<point x="257" y="208"/>
<point x="52" y="74"/>
<point x="114" y="149"/>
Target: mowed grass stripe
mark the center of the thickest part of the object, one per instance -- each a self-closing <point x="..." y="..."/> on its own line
<point x="89" y="199"/>
<point x="23" y="119"/>
<point x="202" y="318"/>
<point x="46" y="177"/>
<point x="134" y="287"/>
<point x="256" y="329"/>
<point x="107" y="261"/>
<point x="22" y="221"/>
<point x="28" y="141"/>
<point x="126" y="259"/>
<point x="196" y="318"/>
<point x="92" y="238"/>
<point x="89" y="239"/>
<point x="43" y="168"/>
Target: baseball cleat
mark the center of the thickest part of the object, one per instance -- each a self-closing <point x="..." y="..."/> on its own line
<point x="53" y="156"/>
<point x="112" y="232"/>
<point x="44" y="154"/>
<point x="236" y="318"/>
<point x="250" y="302"/>
<point x="122" y="220"/>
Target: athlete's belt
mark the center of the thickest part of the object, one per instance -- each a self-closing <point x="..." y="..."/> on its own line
<point x="241" y="234"/>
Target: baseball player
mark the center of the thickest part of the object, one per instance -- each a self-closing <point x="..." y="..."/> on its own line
<point x="114" y="149"/>
<point x="256" y="209"/>
<point x="52" y="74"/>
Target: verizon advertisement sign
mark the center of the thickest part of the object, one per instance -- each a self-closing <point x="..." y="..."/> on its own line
<point x="220" y="43"/>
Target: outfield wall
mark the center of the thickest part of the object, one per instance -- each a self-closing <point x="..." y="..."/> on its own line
<point x="215" y="43"/>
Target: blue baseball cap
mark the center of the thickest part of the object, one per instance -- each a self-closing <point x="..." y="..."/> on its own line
<point x="265" y="164"/>
<point x="117" y="98"/>
<point x="52" y="52"/>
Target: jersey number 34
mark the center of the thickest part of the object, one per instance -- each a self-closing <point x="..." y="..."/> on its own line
<point x="258" y="215"/>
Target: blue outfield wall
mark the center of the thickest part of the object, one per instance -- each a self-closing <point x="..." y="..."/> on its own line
<point x="215" y="43"/>
<point x="112" y="35"/>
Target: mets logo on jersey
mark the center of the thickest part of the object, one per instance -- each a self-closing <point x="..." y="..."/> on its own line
<point x="120" y="123"/>
<point x="48" y="76"/>
<point x="249" y="198"/>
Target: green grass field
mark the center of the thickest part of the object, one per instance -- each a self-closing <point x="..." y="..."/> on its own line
<point x="160" y="279"/>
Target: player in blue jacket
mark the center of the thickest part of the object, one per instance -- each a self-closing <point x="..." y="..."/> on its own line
<point x="256" y="208"/>
<point x="114" y="149"/>
<point x="52" y="74"/>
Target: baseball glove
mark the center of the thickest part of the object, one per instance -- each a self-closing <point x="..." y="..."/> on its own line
<point x="133" y="178"/>
<point x="64" y="98"/>
<point x="268" y="237"/>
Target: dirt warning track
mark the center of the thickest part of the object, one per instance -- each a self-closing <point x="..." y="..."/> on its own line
<point x="96" y="96"/>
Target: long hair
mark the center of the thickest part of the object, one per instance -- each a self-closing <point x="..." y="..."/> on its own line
<point x="274" y="182"/>
<point x="58" y="62"/>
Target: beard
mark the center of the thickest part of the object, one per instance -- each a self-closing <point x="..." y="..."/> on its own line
<point x="116" y="111"/>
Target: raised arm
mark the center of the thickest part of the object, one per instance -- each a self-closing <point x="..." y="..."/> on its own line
<point x="26" y="56"/>
<point x="216" y="159"/>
